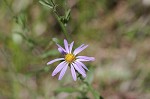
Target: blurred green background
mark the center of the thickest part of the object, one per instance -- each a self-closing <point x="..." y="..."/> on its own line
<point x="118" y="35"/>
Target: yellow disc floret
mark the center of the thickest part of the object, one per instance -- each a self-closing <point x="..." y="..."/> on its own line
<point x="70" y="58"/>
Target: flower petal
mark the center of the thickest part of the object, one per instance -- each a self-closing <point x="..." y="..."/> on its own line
<point x="61" y="51"/>
<point x="66" y="45"/>
<point x="82" y="64"/>
<point x="82" y="60"/>
<point x="58" y="68"/>
<point x="78" y="62"/>
<point x="55" y="60"/>
<point x="86" y="58"/>
<point x="71" y="46"/>
<point x="78" y="69"/>
<point x="60" y="47"/>
<point x="63" y="72"/>
<point x="74" y="76"/>
<point x="79" y="49"/>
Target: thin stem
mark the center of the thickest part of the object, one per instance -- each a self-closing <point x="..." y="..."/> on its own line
<point x="91" y="89"/>
<point x="62" y="26"/>
<point x="95" y="94"/>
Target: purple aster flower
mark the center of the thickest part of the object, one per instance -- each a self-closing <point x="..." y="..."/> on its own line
<point x="71" y="59"/>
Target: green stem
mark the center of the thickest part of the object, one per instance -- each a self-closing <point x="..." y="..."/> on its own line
<point x="95" y="94"/>
<point x="93" y="91"/>
<point x="62" y="26"/>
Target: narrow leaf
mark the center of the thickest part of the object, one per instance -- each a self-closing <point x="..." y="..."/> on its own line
<point x="68" y="14"/>
<point x="49" y="53"/>
<point x="45" y="3"/>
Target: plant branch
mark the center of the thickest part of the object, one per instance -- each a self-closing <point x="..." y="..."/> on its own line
<point x="62" y="26"/>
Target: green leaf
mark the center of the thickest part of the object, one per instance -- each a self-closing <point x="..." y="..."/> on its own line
<point x="66" y="89"/>
<point x="49" y="53"/>
<point x="21" y="20"/>
<point x="46" y="3"/>
<point x="67" y="15"/>
<point x="56" y="40"/>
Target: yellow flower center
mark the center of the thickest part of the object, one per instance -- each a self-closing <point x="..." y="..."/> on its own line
<point x="70" y="58"/>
